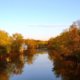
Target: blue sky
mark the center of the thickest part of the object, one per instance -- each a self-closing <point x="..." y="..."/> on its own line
<point x="38" y="19"/>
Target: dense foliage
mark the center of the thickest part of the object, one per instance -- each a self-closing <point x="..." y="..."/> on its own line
<point x="68" y="43"/>
<point x="17" y="44"/>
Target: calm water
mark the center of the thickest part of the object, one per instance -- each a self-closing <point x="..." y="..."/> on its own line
<point x="39" y="65"/>
<point x="38" y="69"/>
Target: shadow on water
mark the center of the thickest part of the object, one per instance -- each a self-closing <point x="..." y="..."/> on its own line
<point x="65" y="67"/>
<point x="13" y="67"/>
<point x="38" y="64"/>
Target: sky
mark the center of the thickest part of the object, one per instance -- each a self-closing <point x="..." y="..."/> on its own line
<point x="38" y="19"/>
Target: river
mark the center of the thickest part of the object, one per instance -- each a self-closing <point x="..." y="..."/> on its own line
<point x="39" y="65"/>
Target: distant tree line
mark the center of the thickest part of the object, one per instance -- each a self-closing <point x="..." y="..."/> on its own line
<point x="17" y="43"/>
<point x="67" y="43"/>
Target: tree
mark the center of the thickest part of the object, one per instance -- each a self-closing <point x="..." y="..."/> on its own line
<point x="17" y="41"/>
<point x="5" y="42"/>
<point x="67" y="43"/>
<point x="17" y="36"/>
<point x="31" y="43"/>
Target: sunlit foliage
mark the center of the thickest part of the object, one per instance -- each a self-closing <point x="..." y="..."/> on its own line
<point x="5" y="42"/>
<point x="17" y="41"/>
<point x="68" y="43"/>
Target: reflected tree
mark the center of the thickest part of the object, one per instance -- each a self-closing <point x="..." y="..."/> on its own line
<point x="30" y="55"/>
<point x="66" y="69"/>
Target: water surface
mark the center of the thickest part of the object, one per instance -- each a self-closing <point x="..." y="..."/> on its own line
<point x="39" y="65"/>
<point x="40" y="68"/>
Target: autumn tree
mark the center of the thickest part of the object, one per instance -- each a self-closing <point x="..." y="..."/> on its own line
<point x="67" y="43"/>
<point x="5" y="42"/>
<point x="41" y="44"/>
<point x="17" y="41"/>
<point x="31" y="43"/>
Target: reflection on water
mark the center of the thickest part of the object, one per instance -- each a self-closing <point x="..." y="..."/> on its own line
<point x="39" y="65"/>
<point x="66" y="69"/>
